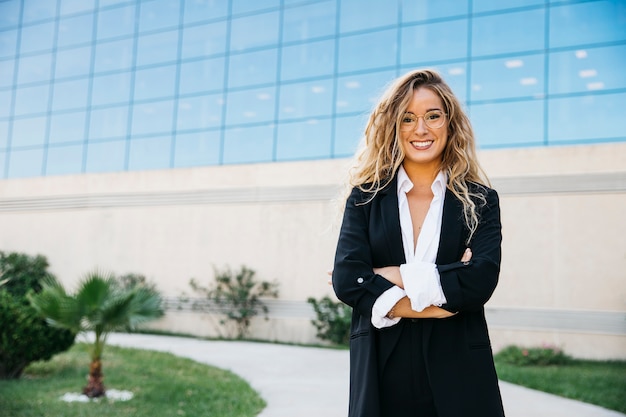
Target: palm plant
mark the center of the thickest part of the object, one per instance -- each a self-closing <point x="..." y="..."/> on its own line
<point x="100" y="305"/>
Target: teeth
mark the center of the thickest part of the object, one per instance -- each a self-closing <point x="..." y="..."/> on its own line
<point x="422" y="144"/>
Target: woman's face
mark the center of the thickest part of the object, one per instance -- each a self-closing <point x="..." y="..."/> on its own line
<point x="424" y="141"/>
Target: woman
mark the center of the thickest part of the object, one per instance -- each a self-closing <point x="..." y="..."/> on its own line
<point x="418" y="256"/>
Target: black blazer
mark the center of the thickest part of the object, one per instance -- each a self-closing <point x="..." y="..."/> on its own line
<point x="457" y="350"/>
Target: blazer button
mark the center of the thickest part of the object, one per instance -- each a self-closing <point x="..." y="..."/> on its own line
<point x="359" y="280"/>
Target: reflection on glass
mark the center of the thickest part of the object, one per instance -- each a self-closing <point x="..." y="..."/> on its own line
<point x="309" y="99"/>
<point x="309" y="21"/>
<point x="116" y="55"/>
<point x="506" y="124"/>
<point x="158" y="14"/>
<point x="520" y="76"/>
<point x="116" y="22"/>
<point x="359" y="93"/>
<point x="307" y="60"/>
<point x="157" y="82"/>
<point x="252" y="68"/>
<point x="248" y="144"/>
<point x="348" y="134"/>
<point x="265" y="31"/>
<point x="251" y="6"/>
<point x="110" y="89"/>
<point x="479" y="6"/>
<point x="250" y="106"/>
<point x="588" y="69"/>
<point x="200" y="112"/>
<point x="154" y="117"/>
<point x="416" y="11"/>
<point x="157" y="48"/>
<point x="200" y="76"/>
<point x="110" y="122"/>
<point x="304" y="140"/>
<point x="64" y="160"/>
<point x="203" y="40"/>
<point x="587" y="23"/>
<point x="200" y="10"/>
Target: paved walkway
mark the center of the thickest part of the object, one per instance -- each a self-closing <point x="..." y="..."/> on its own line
<point x="313" y="382"/>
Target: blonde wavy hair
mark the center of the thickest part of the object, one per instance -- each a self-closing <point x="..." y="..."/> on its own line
<point x="380" y="155"/>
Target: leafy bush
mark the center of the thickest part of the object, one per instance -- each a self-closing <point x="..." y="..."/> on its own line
<point x="333" y="320"/>
<point x="534" y="356"/>
<point x="25" y="337"/>
<point x="238" y="296"/>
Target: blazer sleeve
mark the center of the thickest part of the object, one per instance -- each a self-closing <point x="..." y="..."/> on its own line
<point x="353" y="277"/>
<point x="469" y="285"/>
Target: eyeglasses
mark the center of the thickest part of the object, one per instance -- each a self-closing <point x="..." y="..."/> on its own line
<point x="434" y="119"/>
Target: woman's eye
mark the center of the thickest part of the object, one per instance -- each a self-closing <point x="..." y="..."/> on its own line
<point x="408" y="120"/>
<point x="432" y="116"/>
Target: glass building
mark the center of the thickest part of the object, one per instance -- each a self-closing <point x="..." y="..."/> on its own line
<point x="116" y="85"/>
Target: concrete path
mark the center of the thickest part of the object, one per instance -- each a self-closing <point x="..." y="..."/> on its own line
<point x="312" y="382"/>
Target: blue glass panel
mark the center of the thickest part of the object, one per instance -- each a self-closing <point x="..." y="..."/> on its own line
<point x="8" y="43"/>
<point x="108" y="123"/>
<point x="75" y="30"/>
<point x="6" y="73"/>
<point x="67" y="127"/>
<point x="28" y="132"/>
<point x="359" y="93"/>
<point x="110" y="89"/>
<point x="200" y="76"/>
<point x="106" y="156"/>
<point x="199" y="10"/>
<point x="152" y="117"/>
<point x="506" y="124"/>
<point x="5" y="103"/>
<point x="348" y="134"/>
<point x="200" y="112"/>
<point x="25" y="163"/>
<point x="208" y="39"/>
<point x="36" y="10"/>
<point x="308" y="60"/>
<point x="149" y="153"/>
<point x="249" y="144"/>
<point x="415" y="11"/>
<point x="587" y="23"/>
<point x="308" y="99"/>
<point x="265" y="31"/>
<point x="158" y="14"/>
<point x="34" y="68"/>
<point x="304" y="140"/>
<point x="4" y="138"/>
<point x="70" y="94"/>
<point x="9" y="16"/>
<point x="105" y="3"/>
<point x="587" y="118"/>
<point x="31" y="100"/>
<point x="521" y="76"/>
<point x="197" y="149"/>
<point x="250" y="106"/>
<point x="116" y="22"/>
<point x="367" y="14"/>
<point x="76" y="6"/>
<point x="161" y="47"/>
<point x="3" y="161"/>
<point x="434" y="42"/>
<point x="73" y="62"/>
<point x="249" y="6"/>
<point x="64" y="160"/>
<point x="491" y="5"/>
<point x="114" y="55"/>
<point x="37" y="38"/>
<point x="381" y="50"/>
<point x="159" y="82"/>
<point x="455" y="75"/>
<point x="508" y="33"/>
<point x="309" y="21"/>
<point x="252" y="68"/>
<point x="588" y="70"/>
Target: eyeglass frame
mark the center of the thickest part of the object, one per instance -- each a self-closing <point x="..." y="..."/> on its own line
<point x="423" y="116"/>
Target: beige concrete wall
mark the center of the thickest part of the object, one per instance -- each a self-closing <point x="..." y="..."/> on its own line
<point x="564" y="260"/>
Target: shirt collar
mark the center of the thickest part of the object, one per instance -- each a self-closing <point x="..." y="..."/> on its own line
<point x="438" y="186"/>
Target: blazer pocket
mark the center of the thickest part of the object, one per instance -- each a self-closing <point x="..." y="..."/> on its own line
<point x="480" y="345"/>
<point x="358" y="334"/>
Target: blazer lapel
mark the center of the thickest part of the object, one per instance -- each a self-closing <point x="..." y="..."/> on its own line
<point x="451" y="229"/>
<point x="391" y="223"/>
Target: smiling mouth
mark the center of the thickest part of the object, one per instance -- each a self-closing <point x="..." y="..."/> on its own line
<point x="421" y="145"/>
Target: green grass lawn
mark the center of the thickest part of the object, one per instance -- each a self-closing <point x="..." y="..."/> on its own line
<point x="162" y="384"/>
<point x="596" y="382"/>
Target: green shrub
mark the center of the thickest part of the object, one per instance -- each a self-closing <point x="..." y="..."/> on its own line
<point x="238" y="296"/>
<point x="333" y="320"/>
<point x="533" y="356"/>
<point x="25" y="337"/>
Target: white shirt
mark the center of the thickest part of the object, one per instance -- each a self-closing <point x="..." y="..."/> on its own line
<point x="419" y="274"/>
